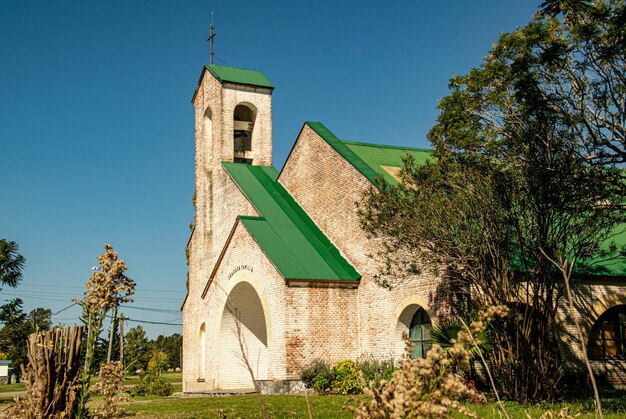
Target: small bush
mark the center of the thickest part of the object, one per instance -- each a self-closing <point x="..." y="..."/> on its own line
<point x="152" y="385"/>
<point x="374" y="370"/>
<point x="346" y="378"/>
<point x="317" y="376"/>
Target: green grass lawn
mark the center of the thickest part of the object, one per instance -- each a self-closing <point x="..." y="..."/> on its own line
<point x="170" y="377"/>
<point x="614" y="405"/>
<point x="238" y="407"/>
<point x="6" y="388"/>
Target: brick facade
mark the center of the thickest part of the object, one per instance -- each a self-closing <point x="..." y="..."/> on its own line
<point x="247" y="302"/>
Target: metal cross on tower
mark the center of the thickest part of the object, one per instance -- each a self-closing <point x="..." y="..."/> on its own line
<point x="210" y="38"/>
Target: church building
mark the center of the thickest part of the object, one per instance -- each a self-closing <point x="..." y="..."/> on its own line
<point x="280" y="272"/>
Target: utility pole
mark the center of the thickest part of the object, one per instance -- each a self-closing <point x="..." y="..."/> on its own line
<point x="122" y="339"/>
<point x="210" y="39"/>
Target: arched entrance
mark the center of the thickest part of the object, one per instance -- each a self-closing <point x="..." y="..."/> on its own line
<point x="242" y="339"/>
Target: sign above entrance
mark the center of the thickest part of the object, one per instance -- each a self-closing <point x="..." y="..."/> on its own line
<point x="240" y="268"/>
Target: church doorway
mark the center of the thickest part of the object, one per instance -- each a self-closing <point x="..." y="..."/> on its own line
<point x="242" y="339"/>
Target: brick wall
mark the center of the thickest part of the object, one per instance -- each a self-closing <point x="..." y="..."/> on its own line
<point x="218" y="200"/>
<point x="328" y="188"/>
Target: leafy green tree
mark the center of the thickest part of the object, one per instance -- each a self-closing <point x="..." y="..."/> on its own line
<point x="515" y="187"/>
<point x="40" y="319"/>
<point x="158" y="361"/>
<point x="172" y="346"/>
<point x="136" y="349"/>
<point x="11" y="263"/>
<point x="578" y="48"/>
<point x="14" y="333"/>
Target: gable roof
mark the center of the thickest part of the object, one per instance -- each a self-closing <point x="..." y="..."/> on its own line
<point x="239" y="75"/>
<point x="286" y="234"/>
<point x="371" y="160"/>
<point x="375" y="160"/>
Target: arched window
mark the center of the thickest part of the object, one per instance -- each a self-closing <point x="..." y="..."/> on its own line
<point x="608" y="335"/>
<point x="202" y="358"/>
<point x="243" y="124"/>
<point x="207" y="122"/>
<point x="419" y="333"/>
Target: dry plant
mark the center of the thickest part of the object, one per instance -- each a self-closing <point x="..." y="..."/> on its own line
<point x="51" y="379"/>
<point x="111" y="387"/>
<point x="429" y="387"/>
<point x="106" y="289"/>
<point x="562" y="414"/>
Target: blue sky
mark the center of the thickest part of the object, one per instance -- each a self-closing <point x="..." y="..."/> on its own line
<point x="96" y="124"/>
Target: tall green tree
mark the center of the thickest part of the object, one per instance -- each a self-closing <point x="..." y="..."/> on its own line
<point x="40" y="319"/>
<point x="11" y="263"/>
<point x="517" y="184"/>
<point x="172" y="346"/>
<point x="136" y="349"/>
<point x="14" y="333"/>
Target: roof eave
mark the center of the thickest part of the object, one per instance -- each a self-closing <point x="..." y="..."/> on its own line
<point x="323" y="283"/>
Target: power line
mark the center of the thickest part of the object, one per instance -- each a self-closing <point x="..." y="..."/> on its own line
<point x="34" y="297"/>
<point x="77" y="287"/>
<point x="63" y="309"/>
<point x="41" y="295"/>
<point x="158" y="310"/>
<point x="151" y="322"/>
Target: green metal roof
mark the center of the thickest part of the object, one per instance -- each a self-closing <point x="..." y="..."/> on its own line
<point x="370" y="159"/>
<point x="287" y="235"/>
<point x="239" y="75"/>
<point x="609" y="266"/>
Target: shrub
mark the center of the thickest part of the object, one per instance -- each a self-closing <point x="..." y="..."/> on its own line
<point x="374" y="370"/>
<point x="427" y="387"/>
<point x="152" y="385"/>
<point x="317" y="376"/>
<point x="346" y="378"/>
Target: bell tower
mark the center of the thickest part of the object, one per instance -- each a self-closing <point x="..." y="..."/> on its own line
<point x="233" y="123"/>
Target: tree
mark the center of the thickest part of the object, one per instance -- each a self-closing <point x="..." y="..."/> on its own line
<point x="11" y="263"/>
<point x="14" y="333"/>
<point x="136" y="349"/>
<point x="172" y="346"/>
<point x="582" y="61"/>
<point x="40" y="319"/>
<point x="158" y="361"/>
<point x="514" y="187"/>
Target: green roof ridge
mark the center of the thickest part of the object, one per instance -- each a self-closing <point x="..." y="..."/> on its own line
<point x="285" y="233"/>
<point x="394" y="147"/>
<point x="339" y="146"/>
<point x="239" y="75"/>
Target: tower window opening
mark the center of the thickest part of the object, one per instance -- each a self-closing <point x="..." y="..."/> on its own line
<point x="243" y="140"/>
<point x="243" y="125"/>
